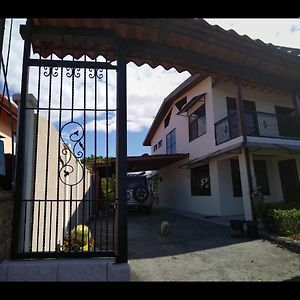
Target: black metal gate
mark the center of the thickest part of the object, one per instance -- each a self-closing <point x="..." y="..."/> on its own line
<point x="69" y="110"/>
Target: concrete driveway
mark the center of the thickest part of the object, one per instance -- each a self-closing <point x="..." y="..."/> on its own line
<point x="197" y="250"/>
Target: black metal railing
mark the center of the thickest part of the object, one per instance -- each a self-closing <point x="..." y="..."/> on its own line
<point x="70" y="231"/>
<point x="258" y="124"/>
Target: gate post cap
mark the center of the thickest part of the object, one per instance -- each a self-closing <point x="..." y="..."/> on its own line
<point x="30" y="99"/>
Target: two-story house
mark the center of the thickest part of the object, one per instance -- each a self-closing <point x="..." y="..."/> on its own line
<point x="239" y="138"/>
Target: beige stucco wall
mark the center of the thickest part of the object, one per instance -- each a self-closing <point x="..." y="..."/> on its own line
<point x="52" y="217"/>
<point x="5" y="131"/>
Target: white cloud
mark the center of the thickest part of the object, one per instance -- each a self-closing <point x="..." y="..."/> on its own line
<point x="275" y="31"/>
<point x="101" y="124"/>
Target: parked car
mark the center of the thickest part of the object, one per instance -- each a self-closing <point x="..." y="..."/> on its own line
<point x="139" y="195"/>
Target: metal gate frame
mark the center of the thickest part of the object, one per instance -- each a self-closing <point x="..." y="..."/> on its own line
<point x="121" y="139"/>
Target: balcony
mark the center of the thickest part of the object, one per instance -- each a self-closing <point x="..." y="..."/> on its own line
<point x="258" y="124"/>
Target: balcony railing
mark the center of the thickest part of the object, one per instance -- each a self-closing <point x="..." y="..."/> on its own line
<point x="258" y="124"/>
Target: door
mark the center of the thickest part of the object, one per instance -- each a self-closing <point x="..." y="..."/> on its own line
<point x="286" y="123"/>
<point x="289" y="179"/>
<point x="249" y="117"/>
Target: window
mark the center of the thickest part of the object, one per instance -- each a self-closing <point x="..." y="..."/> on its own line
<point x="200" y="181"/>
<point x="260" y="169"/>
<point x="236" y="178"/>
<point x="171" y="142"/>
<point x="155" y="147"/>
<point x="159" y="143"/>
<point x="180" y="103"/>
<point x="167" y="119"/>
<point x="197" y="123"/>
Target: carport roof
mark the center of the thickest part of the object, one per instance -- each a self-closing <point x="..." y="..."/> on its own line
<point x="185" y="44"/>
<point x="143" y="163"/>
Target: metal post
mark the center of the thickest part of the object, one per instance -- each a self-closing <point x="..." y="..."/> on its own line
<point x="20" y="148"/>
<point x="241" y="125"/>
<point x="2" y="26"/>
<point x="296" y="102"/>
<point x="240" y="112"/>
<point x="121" y="156"/>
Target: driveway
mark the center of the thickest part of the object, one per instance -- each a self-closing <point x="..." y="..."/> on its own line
<point x="197" y="250"/>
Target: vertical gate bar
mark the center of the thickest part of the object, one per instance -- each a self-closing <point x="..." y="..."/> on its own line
<point x="121" y="163"/>
<point x="95" y="159"/>
<point x="47" y="156"/>
<point x="106" y="154"/>
<point x="70" y="217"/>
<point x="2" y="27"/>
<point x="35" y="155"/>
<point x="24" y="229"/>
<point x="21" y="144"/>
<point x="73" y="78"/>
<point x="38" y="226"/>
<point x="84" y="145"/>
<point x="59" y="159"/>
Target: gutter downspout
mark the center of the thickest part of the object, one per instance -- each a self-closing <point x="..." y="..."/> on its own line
<point x="241" y="125"/>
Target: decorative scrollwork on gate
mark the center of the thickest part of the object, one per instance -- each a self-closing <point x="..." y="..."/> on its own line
<point x="73" y="72"/>
<point x="71" y="153"/>
<point x="51" y="71"/>
<point x="96" y="73"/>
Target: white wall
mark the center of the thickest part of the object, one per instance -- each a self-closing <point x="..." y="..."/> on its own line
<point x="264" y="101"/>
<point x="230" y="205"/>
<point x="180" y="122"/>
<point x="175" y="191"/>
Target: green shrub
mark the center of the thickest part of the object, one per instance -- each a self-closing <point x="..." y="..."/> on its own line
<point x="284" y="222"/>
<point x="78" y="240"/>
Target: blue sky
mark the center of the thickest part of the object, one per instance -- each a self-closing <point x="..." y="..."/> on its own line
<point x="147" y="87"/>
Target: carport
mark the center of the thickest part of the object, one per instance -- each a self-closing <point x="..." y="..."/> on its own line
<point x="141" y="163"/>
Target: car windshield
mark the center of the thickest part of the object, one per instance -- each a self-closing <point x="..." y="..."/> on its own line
<point x="132" y="182"/>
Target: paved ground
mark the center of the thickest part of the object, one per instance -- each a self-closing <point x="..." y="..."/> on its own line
<point x="196" y="250"/>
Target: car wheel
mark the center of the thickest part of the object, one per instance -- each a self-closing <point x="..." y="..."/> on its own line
<point x="140" y="193"/>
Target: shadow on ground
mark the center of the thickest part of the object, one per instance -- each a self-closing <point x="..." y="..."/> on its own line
<point x="185" y="235"/>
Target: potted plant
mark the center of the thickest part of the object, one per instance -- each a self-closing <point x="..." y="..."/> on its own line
<point x="80" y="239"/>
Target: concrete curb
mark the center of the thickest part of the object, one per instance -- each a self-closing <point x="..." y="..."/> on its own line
<point x="289" y="244"/>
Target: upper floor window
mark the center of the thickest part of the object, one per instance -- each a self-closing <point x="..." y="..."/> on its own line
<point x="181" y="103"/>
<point x="159" y="143"/>
<point x="197" y="123"/>
<point x="171" y="142"/>
<point x="155" y="148"/>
